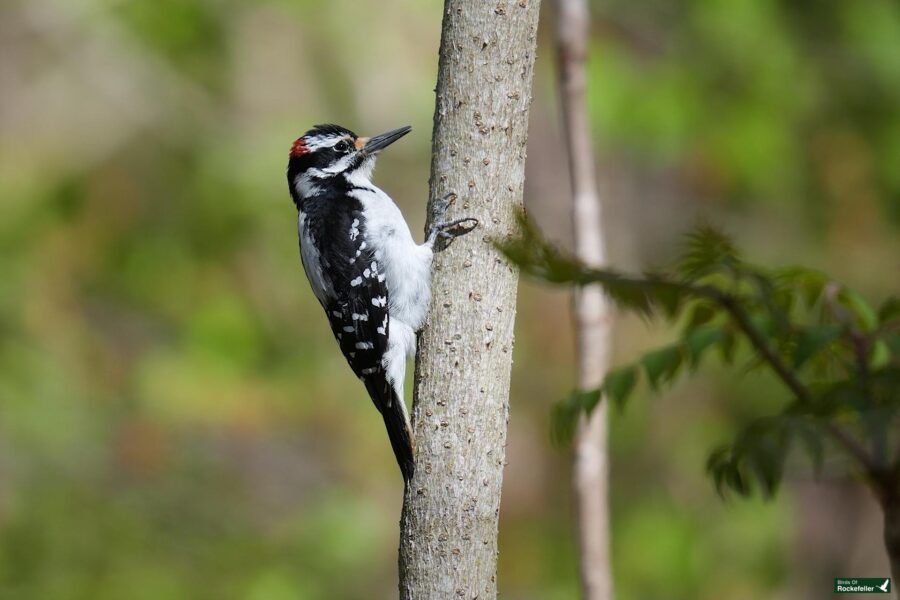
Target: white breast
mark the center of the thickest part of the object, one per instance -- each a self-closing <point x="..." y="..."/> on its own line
<point x="407" y="265"/>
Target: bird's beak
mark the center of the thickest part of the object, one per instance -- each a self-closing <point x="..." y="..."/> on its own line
<point x="383" y="140"/>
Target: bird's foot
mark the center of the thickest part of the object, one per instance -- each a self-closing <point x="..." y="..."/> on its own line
<point x="440" y="207"/>
<point x="447" y="230"/>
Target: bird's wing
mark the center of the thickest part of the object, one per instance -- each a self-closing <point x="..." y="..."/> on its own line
<point x="359" y="320"/>
<point x="357" y="306"/>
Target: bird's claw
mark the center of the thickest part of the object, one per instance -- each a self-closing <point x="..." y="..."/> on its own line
<point x="447" y="230"/>
<point x="440" y="207"/>
<point x="452" y="229"/>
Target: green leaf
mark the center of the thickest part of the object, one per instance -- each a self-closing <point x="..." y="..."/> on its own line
<point x="619" y="384"/>
<point x="725" y="471"/>
<point x="640" y="295"/>
<point x="706" y="251"/>
<point x="702" y="314"/>
<point x="632" y="295"/>
<point x="763" y="323"/>
<point x="765" y="455"/>
<point x="889" y="310"/>
<point x="736" y="481"/>
<point x="892" y="341"/>
<point x="809" y="282"/>
<point x="768" y="468"/>
<point x="670" y="300"/>
<point x="536" y="257"/>
<point x="784" y="301"/>
<point x="728" y="346"/>
<point x="885" y="384"/>
<point x="839" y="397"/>
<point x="777" y="301"/>
<point x="566" y="413"/>
<point x="811" y="340"/>
<point x="881" y="355"/>
<point x="865" y="314"/>
<point x="716" y="465"/>
<point x="662" y="365"/>
<point x="699" y="340"/>
<point x="757" y="455"/>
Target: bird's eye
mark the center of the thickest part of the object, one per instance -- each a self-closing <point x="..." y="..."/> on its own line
<point x="342" y="146"/>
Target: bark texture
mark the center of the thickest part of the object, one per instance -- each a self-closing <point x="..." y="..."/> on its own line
<point x="448" y="541"/>
<point x="592" y="315"/>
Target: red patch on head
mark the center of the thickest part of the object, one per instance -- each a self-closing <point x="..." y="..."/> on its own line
<point x="299" y="148"/>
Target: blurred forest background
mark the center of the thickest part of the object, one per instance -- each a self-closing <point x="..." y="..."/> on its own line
<point x="176" y="421"/>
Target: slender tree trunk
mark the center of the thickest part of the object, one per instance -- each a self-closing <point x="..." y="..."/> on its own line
<point x="448" y="539"/>
<point x="592" y="318"/>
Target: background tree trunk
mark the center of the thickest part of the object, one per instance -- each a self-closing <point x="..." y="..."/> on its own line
<point x="593" y="326"/>
<point x="448" y="540"/>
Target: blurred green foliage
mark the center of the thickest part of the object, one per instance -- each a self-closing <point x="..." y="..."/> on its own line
<point x="766" y="99"/>
<point x="838" y="358"/>
<point x="175" y="419"/>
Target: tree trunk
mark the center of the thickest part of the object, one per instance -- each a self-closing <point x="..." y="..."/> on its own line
<point x="448" y="538"/>
<point x="592" y="315"/>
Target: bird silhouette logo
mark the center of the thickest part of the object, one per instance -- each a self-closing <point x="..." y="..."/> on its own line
<point x="886" y="586"/>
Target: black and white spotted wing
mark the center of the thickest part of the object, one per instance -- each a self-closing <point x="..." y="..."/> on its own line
<point x="359" y="314"/>
<point x="347" y="279"/>
<point x="356" y="297"/>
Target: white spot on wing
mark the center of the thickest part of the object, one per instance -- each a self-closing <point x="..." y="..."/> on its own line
<point x="364" y="345"/>
<point x="356" y="282"/>
<point x="379" y="301"/>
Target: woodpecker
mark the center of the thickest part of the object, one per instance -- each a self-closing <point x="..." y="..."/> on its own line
<point x="363" y="265"/>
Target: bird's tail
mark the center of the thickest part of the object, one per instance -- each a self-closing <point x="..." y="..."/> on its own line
<point x="396" y="421"/>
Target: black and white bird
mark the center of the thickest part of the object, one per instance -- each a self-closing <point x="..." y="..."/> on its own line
<point x="370" y="276"/>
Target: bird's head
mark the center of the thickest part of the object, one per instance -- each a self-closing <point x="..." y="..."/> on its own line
<point x="327" y="152"/>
